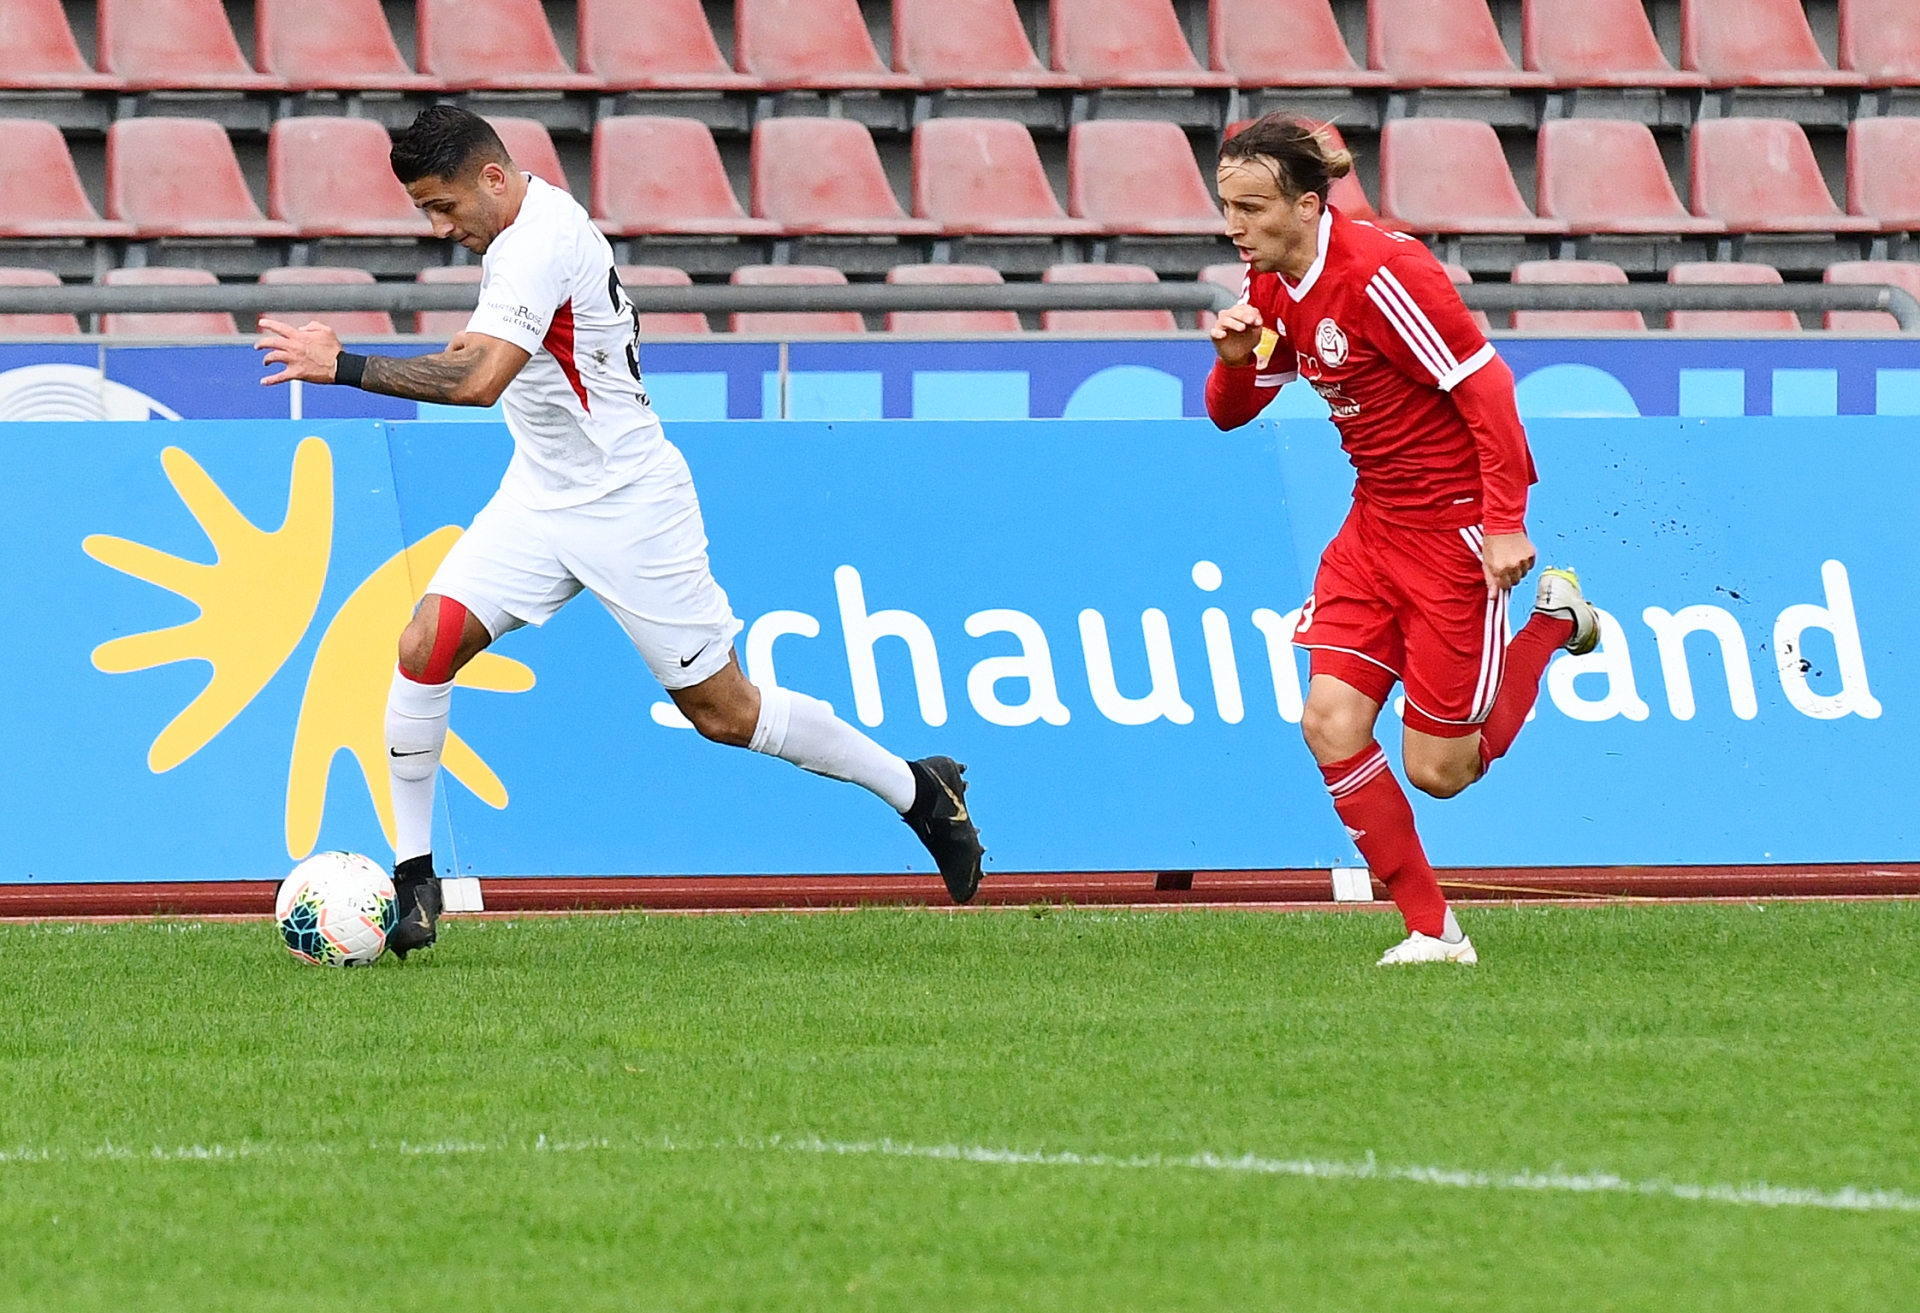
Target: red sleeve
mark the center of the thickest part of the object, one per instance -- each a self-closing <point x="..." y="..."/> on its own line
<point x="1234" y="396"/>
<point x="1422" y="325"/>
<point x="1485" y="401"/>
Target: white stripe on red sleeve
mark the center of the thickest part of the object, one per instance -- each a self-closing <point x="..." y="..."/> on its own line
<point x="1466" y="369"/>
<point x="1416" y="318"/>
<point x="1394" y="311"/>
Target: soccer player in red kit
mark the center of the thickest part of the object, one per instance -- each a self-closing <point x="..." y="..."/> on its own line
<point x="1413" y="589"/>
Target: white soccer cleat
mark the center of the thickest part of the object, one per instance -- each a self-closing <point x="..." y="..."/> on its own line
<point x="1560" y="595"/>
<point x="1417" y="947"/>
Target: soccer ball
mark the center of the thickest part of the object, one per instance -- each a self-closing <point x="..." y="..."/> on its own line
<point x="336" y="910"/>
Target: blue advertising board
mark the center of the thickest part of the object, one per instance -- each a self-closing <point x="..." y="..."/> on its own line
<point x="1093" y="614"/>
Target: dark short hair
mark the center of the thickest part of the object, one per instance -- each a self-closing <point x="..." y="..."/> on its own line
<point x="1305" y="159"/>
<point x="444" y="141"/>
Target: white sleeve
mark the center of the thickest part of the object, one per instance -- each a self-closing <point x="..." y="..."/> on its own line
<point x="524" y="287"/>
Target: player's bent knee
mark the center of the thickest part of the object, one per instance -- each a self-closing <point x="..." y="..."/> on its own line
<point x="1333" y="733"/>
<point x="1441" y="779"/>
<point x="430" y="644"/>
<point x="416" y="645"/>
<point x="722" y="725"/>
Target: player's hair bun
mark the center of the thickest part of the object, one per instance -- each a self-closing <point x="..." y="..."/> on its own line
<point x="1339" y="160"/>
<point x="1306" y="159"/>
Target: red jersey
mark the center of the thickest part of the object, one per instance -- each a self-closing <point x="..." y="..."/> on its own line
<point x="1376" y="327"/>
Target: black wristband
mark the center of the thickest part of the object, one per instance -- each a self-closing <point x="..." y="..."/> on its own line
<point x="348" y="368"/>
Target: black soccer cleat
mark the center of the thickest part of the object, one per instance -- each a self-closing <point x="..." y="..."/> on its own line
<point x="939" y="816"/>
<point x="416" y="891"/>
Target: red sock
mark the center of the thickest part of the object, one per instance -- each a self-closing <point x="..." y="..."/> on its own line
<point x="1527" y="657"/>
<point x="1376" y="814"/>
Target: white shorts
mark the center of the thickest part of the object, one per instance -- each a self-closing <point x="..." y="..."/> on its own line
<point x="641" y="550"/>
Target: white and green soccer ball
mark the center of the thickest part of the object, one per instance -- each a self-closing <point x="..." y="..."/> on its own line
<point x="336" y="910"/>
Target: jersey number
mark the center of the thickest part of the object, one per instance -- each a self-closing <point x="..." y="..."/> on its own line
<point x="624" y="306"/>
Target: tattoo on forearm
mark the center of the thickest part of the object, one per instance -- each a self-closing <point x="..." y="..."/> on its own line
<point x="419" y="378"/>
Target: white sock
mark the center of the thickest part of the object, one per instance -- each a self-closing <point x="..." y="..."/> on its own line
<point x="1451" y="933"/>
<point x="804" y="731"/>
<point x="416" y="731"/>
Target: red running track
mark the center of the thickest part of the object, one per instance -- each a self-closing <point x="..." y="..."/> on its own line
<point x="1106" y="888"/>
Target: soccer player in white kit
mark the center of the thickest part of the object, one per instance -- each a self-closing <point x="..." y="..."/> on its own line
<point x="595" y="497"/>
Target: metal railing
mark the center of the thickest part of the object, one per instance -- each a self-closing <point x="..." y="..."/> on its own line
<point x="300" y="298"/>
<point x="402" y="298"/>
<point x="1660" y="298"/>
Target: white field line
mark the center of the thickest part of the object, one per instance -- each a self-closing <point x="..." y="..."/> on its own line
<point x="1851" y="1199"/>
<point x="1845" y="1199"/>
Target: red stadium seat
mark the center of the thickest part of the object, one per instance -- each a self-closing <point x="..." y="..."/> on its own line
<point x="1138" y="176"/>
<point x="166" y="44"/>
<point x="34" y="325"/>
<point x="528" y="141"/>
<point x="1597" y="43"/>
<point x="1574" y="321"/>
<point x="949" y="321"/>
<point x="179" y="178"/>
<point x="1607" y="176"/>
<point x="1104" y="321"/>
<point x="662" y="45"/>
<point x="1883" y="172"/>
<point x="1729" y="322"/>
<point x="40" y="192"/>
<point x="1460" y="277"/>
<point x="1126" y="43"/>
<point x="330" y="178"/>
<point x="1881" y="39"/>
<point x="660" y="275"/>
<point x="1756" y="43"/>
<point x="502" y="45"/>
<point x="809" y="43"/>
<point x="968" y="43"/>
<point x="664" y="175"/>
<point x="1451" y="176"/>
<point x="165" y="325"/>
<point x="38" y="52"/>
<point x="815" y="175"/>
<point x="1901" y="273"/>
<point x="781" y="324"/>
<point x="1442" y="43"/>
<point x="1283" y="43"/>
<point x="1760" y="176"/>
<point x="343" y="43"/>
<point x="985" y="176"/>
<point x="444" y="324"/>
<point x="347" y="323"/>
<point x="1346" y="195"/>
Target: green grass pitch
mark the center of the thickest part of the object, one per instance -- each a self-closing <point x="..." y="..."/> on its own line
<point x="1700" y="1108"/>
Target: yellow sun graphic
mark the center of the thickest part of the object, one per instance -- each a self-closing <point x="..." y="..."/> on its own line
<point x="256" y="598"/>
<point x="256" y="601"/>
<point x="346" y="700"/>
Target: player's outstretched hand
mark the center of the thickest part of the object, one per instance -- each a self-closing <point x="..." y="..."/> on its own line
<point x="1506" y="558"/>
<point x="1236" y="335"/>
<point x="307" y="354"/>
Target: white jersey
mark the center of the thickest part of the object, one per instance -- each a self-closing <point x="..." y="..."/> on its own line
<point x="581" y="422"/>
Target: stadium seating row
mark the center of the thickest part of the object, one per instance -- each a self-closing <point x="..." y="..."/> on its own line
<point x="1899" y="273"/>
<point x="782" y="44"/>
<point x="329" y="177"/>
<point x="444" y="324"/>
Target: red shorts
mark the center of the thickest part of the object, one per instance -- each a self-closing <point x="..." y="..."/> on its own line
<point x="1392" y="603"/>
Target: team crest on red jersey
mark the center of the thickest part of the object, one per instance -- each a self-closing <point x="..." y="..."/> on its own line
<point x="1331" y="343"/>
